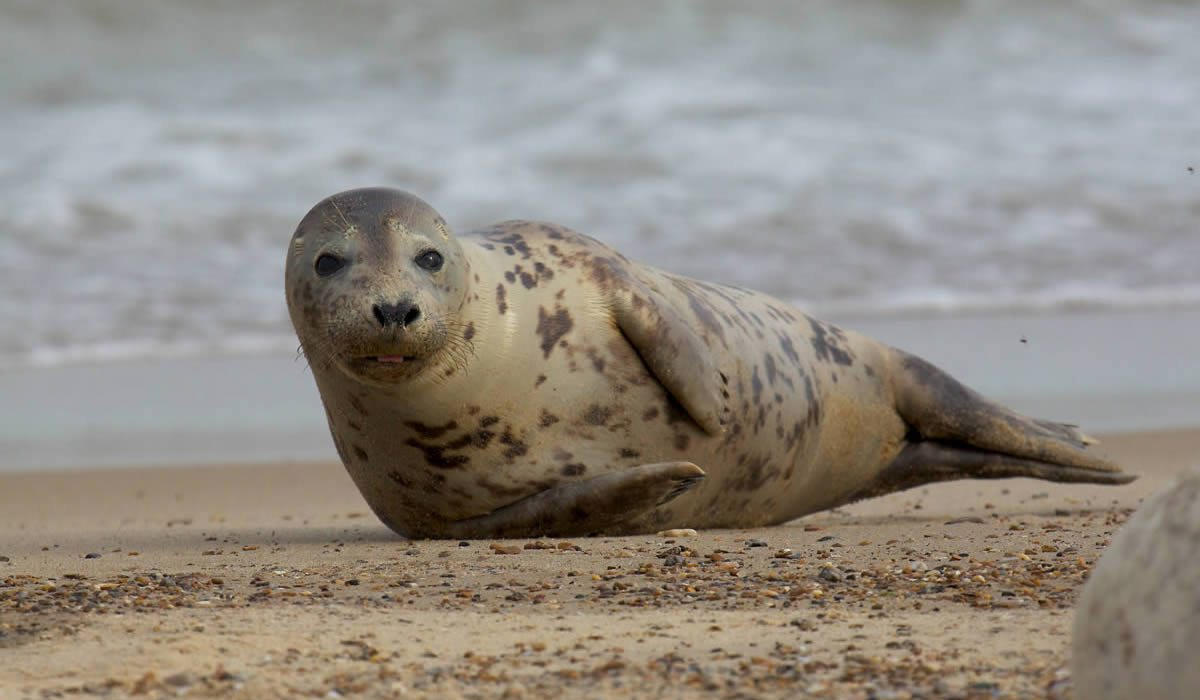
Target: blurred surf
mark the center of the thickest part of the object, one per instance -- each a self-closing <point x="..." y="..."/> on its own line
<point x="858" y="159"/>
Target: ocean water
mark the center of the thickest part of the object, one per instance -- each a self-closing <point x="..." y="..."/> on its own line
<point x="868" y="158"/>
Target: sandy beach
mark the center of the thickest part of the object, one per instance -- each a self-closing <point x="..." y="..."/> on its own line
<point x="276" y="581"/>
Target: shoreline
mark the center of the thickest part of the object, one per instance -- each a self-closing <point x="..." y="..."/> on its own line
<point x="1106" y="371"/>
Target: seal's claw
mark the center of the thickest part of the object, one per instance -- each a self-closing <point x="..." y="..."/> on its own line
<point x="684" y="485"/>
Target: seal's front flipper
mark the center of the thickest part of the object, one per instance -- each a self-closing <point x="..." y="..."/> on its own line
<point x="954" y="433"/>
<point x="675" y="353"/>
<point x="584" y="507"/>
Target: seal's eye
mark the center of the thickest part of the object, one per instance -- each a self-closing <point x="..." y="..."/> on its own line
<point x="328" y="264"/>
<point x="430" y="260"/>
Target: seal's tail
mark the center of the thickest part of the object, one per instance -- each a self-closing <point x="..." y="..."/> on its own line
<point x="954" y="433"/>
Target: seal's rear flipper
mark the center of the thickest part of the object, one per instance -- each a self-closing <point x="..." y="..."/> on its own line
<point x="584" y="507"/>
<point x="957" y="434"/>
<point x="928" y="462"/>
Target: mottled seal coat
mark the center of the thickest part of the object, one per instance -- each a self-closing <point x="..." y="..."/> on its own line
<point x="526" y="379"/>
<point x="1137" y="624"/>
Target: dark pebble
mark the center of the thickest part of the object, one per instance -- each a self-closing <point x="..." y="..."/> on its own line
<point x="830" y="574"/>
<point x="4" y="558"/>
<point x="352" y="582"/>
<point x="464" y="543"/>
<point x="826" y="538"/>
<point x="92" y="555"/>
<point x="755" y="543"/>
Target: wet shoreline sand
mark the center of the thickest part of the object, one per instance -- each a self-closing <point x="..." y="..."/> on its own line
<point x="276" y="581"/>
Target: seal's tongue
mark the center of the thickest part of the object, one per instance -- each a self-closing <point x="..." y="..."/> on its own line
<point x="395" y="359"/>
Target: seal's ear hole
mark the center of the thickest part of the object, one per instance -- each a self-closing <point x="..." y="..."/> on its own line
<point x="429" y="260"/>
<point x="328" y="264"/>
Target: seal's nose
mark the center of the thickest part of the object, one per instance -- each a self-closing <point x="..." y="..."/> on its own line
<point x="405" y="313"/>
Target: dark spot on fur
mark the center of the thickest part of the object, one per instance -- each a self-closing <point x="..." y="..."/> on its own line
<point x="399" y="479"/>
<point x="547" y="419"/>
<point x="627" y="453"/>
<point x="361" y="453"/>
<point x="597" y="361"/>
<point x="435" y="455"/>
<point x="543" y="272"/>
<point x="501" y="302"/>
<point x="702" y="308"/>
<point x="826" y="344"/>
<point x="785" y="344"/>
<point x="650" y="414"/>
<point x="516" y="447"/>
<point x="431" y="432"/>
<point x="528" y="281"/>
<point x="541" y="379"/>
<point x="488" y="421"/>
<point x="574" y="469"/>
<point x="512" y="241"/>
<point x="756" y="384"/>
<point x="469" y="331"/>
<point x="357" y="405"/>
<point x="481" y="438"/>
<point x="553" y="327"/>
<point x="769" y="363"/>
<point x="681" y="441"/>
<point x="510" y="275"/>
<point x="354" y="426"/>
<point x="597" y="414"/>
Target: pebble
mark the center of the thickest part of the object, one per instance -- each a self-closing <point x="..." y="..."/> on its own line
<point x="678" y="532"/>
<point x="92" y="555"/>
<point x="180" y="680"/>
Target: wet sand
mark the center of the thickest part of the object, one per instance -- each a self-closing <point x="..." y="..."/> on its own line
<point x="277" y="581"/>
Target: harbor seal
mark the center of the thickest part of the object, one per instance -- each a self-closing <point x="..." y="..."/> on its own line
<point x="1137" y="624"/>
<point x="525" y="379"/>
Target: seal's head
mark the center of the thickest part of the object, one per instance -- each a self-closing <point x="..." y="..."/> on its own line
<point x="374" y="280"/>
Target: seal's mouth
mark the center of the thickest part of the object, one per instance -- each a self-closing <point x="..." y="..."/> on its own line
<point x="390" y="359"/>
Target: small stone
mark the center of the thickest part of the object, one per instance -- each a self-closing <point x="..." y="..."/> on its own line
<point x="505" y="548"/>
<point x="830" y="574"/>
<point x="966" y="519"/>
<point x="755" y="543"/>
<point x="678" y="532"/>
<point x="180" y="680"/>
<point x="464" y="543"/>
<point x="4" y="558"/>
<point x="92" y="555"/>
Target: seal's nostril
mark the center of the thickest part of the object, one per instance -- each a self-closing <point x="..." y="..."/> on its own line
<point x="403" y="314"/>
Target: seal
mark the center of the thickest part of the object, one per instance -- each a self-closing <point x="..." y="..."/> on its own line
<point x="525" y="379"/>
<point x="1137" y="624"/>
